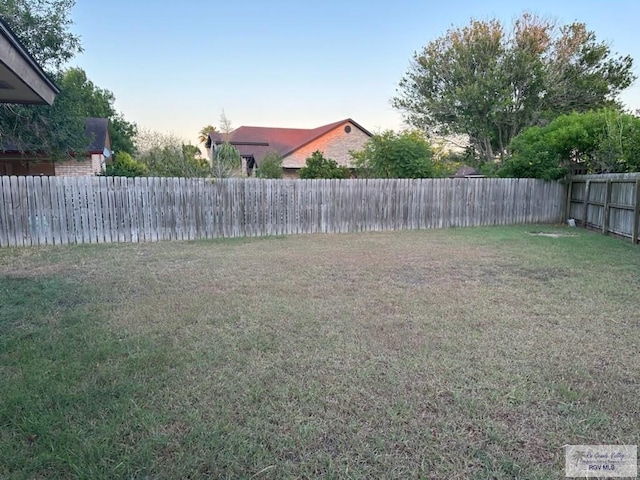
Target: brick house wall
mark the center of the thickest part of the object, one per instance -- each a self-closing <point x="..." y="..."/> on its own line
<point x="75" y="168"/>
<point x="15" y="165"/>
<point x="335" y="145"/>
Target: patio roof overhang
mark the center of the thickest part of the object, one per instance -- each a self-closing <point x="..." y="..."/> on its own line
<point x="22" y="80"/>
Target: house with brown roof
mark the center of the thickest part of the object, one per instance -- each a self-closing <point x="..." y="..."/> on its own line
<point x="14" y="162"/>
<point x="295" y="145"/>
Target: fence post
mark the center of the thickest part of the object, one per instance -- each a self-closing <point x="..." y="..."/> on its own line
<point x="586" y="204"/>
<point x="636" y="214"/>
<point x="567" y="211"/>
<point x="605" y="208"/>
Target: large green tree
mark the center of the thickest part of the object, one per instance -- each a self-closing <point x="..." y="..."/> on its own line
<point x="81" y="98"/>
<point x="602" y="141"/>
<point x="395" y="155"/>
<point x="43" y="27"/>
<point x="490" y="84"/>
<point x="50" y="130"/>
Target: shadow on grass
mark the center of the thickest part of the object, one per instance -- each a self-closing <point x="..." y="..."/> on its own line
<point x="73" y="394"/>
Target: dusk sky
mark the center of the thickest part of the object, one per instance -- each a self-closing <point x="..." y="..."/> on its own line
<point x="175" y="65"/>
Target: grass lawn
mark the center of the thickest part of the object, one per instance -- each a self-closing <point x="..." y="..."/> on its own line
<point x="460" y="353"/>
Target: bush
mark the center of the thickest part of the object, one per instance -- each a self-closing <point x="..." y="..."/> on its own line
<point x="270" y="166"/>
<point x="171" y="161"/>
<point x="395" y="155"/>
<point x="604" y="141"/>
<point x="319" y="167"/>
<point x="166" y="155"/>
<point x="124" y="165"/>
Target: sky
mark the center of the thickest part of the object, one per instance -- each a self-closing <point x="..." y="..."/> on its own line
<point x="175" y="65"/>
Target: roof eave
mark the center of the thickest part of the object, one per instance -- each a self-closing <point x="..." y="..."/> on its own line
<point x="22" y="67"/>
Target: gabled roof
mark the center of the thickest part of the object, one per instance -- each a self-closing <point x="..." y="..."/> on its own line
<point x="258" y="141"/>
<point x="22" y="80"/>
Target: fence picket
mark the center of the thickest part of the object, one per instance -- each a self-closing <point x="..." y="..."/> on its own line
<point x="91" y="210"/>
<point x="6" y="213"/>
<point x="162" y="207"/>
<point x="30" y="212"/>
<point x="44" y="211"/>
<point x="112" y="202"/>
<point x="20" y="212"/>
<point x="142" y="200"/>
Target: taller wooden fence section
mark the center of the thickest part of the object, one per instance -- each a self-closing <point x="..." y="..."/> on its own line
<point x="63" y="210"/>
<point x="610" y="203"/>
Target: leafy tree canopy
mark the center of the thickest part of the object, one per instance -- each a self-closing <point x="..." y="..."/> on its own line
<point x="317" y="166"/>
<point x="604" y="141"/>
<point x="490" y="84"/>
<point x="43" y="27"/>
<point x="45" y="129"/>
<point x="166" y="155"/>
<point x="395" y="155"/>
<point x="204" y="132"/>
<point x="81" y="98"/>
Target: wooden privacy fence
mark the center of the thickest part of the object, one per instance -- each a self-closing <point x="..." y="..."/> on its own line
<point x="610" y="203"/>
<point x="63" y="210"/>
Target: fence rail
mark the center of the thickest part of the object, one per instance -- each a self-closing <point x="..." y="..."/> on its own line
<point x="63" y="210"/>
<point x="610" y="203"/>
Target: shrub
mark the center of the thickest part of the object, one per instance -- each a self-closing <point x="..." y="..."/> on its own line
<point x="319" y="167"/>
<point x="603" y="141"/>
<point x="124" y="165"/>
<point x="270" y="166"/>
<point x="395" y="155"/>
<point x="166" y="155"/>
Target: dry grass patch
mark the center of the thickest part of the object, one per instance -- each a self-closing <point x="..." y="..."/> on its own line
<point x="473" y="353"/>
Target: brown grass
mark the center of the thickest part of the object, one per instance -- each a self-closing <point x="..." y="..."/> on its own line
<point x="474" y="353"/>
